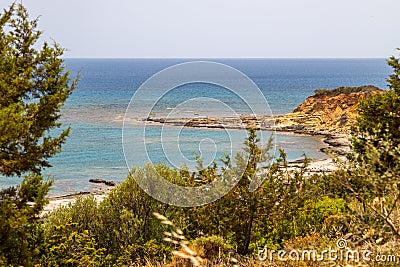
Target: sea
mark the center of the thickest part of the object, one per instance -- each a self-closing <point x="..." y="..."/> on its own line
<point x="95" y="113"/>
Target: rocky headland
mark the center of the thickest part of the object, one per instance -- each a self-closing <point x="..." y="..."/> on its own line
<point x="330" y="113"/>
<point x="327" y="111"/>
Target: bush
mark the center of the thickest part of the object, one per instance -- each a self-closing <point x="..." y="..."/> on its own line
<point x="210" y="247"/>
<point x="21" y="234"/>
<point x="321" y="216"/>
<point x="121" y="226"/>
<point x="346" y="90"/>
<point x="67" y="247"/>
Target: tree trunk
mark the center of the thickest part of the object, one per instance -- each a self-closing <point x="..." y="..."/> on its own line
<point x="245" y="249"/>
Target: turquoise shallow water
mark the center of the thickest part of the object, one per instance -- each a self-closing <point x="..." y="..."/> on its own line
<point x="96" y="108"/>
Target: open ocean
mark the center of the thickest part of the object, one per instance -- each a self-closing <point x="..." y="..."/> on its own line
<point x="96" y="108"/>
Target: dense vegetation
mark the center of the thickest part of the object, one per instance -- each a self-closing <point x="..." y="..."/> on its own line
<point x="291" y="209"/>
<point x="346" y="90"/>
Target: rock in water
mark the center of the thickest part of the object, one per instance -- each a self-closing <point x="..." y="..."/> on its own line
<point x="110" y="183"/>
<point x="97" y="181"/>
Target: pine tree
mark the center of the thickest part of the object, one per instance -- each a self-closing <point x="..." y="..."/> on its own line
<point x="33" y="87"/>
<point x="379" y="117"/>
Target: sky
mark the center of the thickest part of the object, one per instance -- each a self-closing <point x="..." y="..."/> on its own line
<point x="220" y="28"/>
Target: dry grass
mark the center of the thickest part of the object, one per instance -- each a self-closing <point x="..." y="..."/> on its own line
<point x="186" y="254"/>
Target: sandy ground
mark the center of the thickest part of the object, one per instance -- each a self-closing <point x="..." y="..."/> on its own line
<point x="99" y="193"/>
<point x="318" y="166"/>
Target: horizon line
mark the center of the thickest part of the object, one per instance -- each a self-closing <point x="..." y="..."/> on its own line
<point x="219" y="58"/>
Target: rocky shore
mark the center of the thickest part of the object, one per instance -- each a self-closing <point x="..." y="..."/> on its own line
<point x="328" y="113"/>
<point x="336" y="141"/>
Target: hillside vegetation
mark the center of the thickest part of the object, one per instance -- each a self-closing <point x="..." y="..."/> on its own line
<point x="346" y="90"/>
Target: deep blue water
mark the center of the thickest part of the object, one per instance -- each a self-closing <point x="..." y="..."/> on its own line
<point x="96" y="108"/>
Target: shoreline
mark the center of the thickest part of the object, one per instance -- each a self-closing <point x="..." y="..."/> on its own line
<point x="57" y="201"/>
<point x="315" y="166"/>
<point x="336" y="143"/>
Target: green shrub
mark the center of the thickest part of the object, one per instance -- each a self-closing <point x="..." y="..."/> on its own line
<point x="321" y="216"/>
<point x="66" y="247"/>
<point x="122" y="224"/>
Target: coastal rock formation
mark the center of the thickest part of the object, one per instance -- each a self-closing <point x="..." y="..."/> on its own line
<point x="327" y="111"/>
<point x="245" y="121"/>
<point x="330" y="113"/>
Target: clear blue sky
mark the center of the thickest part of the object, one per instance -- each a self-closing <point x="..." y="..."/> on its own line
<point x="221" y="28"/>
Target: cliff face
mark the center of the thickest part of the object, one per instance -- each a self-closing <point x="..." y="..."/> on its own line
<point x="327" y="111"/>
